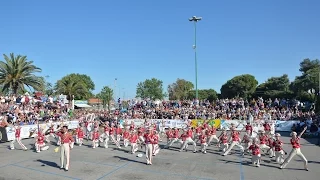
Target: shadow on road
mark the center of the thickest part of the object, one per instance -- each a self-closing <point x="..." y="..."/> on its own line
<point x="130" y="160"/>
<point x="48" y="163"/>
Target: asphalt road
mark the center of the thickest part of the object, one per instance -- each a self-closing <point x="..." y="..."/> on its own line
<point x="118" y="164"/>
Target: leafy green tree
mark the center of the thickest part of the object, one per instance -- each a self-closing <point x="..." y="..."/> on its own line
<point x="16" y="73"/>
<point x="77" y="85"/>
<point x="204" y="94"/>
<point x="240" y="86"/>
<point x="150" y="88"/>
<point x="106" y="95"/>
<point x="180" y="89"/>
<point x="308" y="80"/>
<point x="275" y="87"/>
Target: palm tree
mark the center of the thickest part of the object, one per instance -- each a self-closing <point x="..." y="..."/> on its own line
<point x="70" y="87"/>
<point x="16" y="72"/>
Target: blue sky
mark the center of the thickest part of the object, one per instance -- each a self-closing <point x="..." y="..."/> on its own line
<point x="133" y="40"/>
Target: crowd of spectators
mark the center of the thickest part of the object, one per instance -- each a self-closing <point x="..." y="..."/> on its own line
<point x="28" y="109"/>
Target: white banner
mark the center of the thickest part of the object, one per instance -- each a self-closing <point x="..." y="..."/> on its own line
<point x="172" y="123"/>
<point x="240" y="124"/>
<point x="285" y="125"/>
<point x="26" y="129"/>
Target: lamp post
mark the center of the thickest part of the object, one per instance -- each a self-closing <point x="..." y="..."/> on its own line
<point x="195" y="19"/>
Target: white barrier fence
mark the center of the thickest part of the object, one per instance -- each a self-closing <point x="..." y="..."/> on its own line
<point x="26" y="129"/>
<point x="276" y="125"/>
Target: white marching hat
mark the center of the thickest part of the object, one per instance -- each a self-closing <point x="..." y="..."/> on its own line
<point x="140" y="155"/>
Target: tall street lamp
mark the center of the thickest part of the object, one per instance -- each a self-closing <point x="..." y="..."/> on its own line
<point x="195" y="19"/>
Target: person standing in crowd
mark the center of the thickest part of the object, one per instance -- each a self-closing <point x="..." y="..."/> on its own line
<point x="17" y="139"/>
<point x="66" y="144"/>
<point x="256" y="155"/>
<point x="295" y="142"/>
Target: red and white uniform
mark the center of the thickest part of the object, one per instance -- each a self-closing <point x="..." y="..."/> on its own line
<point x="203" y="141"/>
<point x="295" y="142"/>
<point x="80" y="135"/>
<point x="213" y="136"/>
<point x="279" y="154"/>
<point x="264" y="140"/>
<point x="18" y="139"/>
<point x="133" y="141"/>
<point x="267" y="127"/>
<point x="119" y="133"/>
<point x="249" y="129"/>
<point x="235" y="135"/>
<point x="111" y="135"/>
<point x="246" y="141"/>
<point x="40" y="145"/>
<point x="255" y="159"/>
<point x="95" y="139"/>
<point x="149" y="147"/>
<point x="155" y="144"/>
<point x="125" y="137"/>
<point x="66" y="143"/>
<point x="224" y="142"/>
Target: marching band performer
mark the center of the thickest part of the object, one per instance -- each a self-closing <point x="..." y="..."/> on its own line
<point x="169" y="135"/>
<point x="80" y="135"/>
<point x="105" y="136"/>
<point x="247" y="142"/>
<point x="235" y="136"/>
<point x="66" y="144"/>
<point x="256" y="155"/>
<point x="203" y="141"/>
<point x="18" y="139"/>
<point x="51" y="133"/>
<point x="95" y="139"/>
<point x="118" y="133"/>
<point x="140" y="136"/>
<point x="111" y="135"/>
<point x="125" y="137"/>
<point x="149" y="147"/>
<point x="248" y="128"/>
<point x="277" y="144"/>
<point x="162" y="130"/>
<point x="223" y="141"/>
<point x="295" y="142"/>
<point x="132" y="126"/>
<point x="155" y="143"/>
<point x="182" y="140"/>
<point x="175" y="137"/>
<point x="263" y="143"/>
<point x="133" y="141"/>
<point x="267" y="127"/>
<point x="40" y="145"/>
<point x="213" y="135"/>
<point x="189" y="135"/>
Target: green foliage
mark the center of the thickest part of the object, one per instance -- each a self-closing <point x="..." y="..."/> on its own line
<point x="240" y="86"/>
<point x="105" y="95"/>
<point x="204" y="94"/>
<point x="77" y="85"/>
<point x="150" y="88"/>
<point x="275" y="87"/>
<point x="16" y="73"/>
<point x="180" y="89"/>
